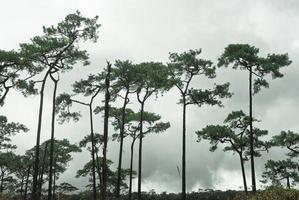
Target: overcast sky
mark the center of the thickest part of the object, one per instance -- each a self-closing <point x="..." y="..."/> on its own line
<point x="147" y="30"/>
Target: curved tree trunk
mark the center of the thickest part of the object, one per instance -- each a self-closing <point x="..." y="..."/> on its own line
<point x="243" y="174"/>
<point x="121" y="144"/>
<point x="52" y="139"/>
<point x="251" y="133"/>
<point x="140" y="150"/>
<point x="34" y="194"/>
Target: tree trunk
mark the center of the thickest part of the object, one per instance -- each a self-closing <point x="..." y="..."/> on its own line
<point x="22" y="187"/>
<point x="26" y="183"/>
<point x="54" y="180"/>
<point x="131" y="168"/>
<point x="121" y="144"/>
<point x="99" y="172"/>
<point x="140" y="150"/>
<point x="106" y="117"/>
<point x="288" y="182"/>
<point x="2" y="180"/>
<point x="93" y="154"/>
<point x="243" y="174"/>
<point x="34" y="194"/>
<point x="184" y="151"/>
<point x="52" y="138"/>
<point x="43" y="169"/>
<point x="251" y="133"/>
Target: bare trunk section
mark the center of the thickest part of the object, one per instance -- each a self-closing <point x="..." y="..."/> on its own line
<point x="140" y="150"/>
<point x="251" y="133"/>
<point x="52" y="139"/>
<point x="184" y="151"/>
<point x="43" y="169"/>
<point x="121" y="144"/>
<point x="131" y="168"/>
<point x="106" y="117"/>
<point x="26" y="183"/>
<point x="34" y="194"/>
<point x="92" y="153"/>
<point x="243" y="174"/>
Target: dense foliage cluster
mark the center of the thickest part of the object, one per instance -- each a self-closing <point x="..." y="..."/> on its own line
<point x="35" y="174"/>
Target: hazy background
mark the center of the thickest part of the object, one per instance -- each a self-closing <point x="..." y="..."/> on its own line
<point x="148" y="30"/>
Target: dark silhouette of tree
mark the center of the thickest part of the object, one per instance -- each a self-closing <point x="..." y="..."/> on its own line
<point x="8" y="129"/>
<point x="246" y="57"/>
<point x="276" y="171"/>
<point x="236" y="137"/>
<point x="151" y="124"/>
<point x="289" y="140"/>
<point x="90" y="87"/>
<point x="57" y="50"/>
<point x="123" y="84"/>
<point x="183" y="68"/>
<point x="105" y="131"/>
<point x="17" y="72"/>
<point x="150" y="78"/>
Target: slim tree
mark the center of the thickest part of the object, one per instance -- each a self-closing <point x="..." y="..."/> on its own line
<point x="151" y="78"/>
<point x="55" y="81"/>
<point x="105" y="134"/>
<point x="246" y="57"/>
<point x="124" y="76"/>
<point x="184" y="68"/>
<point x="131" y="127"/>
<point x="276" y="171"/>
<point x="57" y="50"/>
<point x="235" y="135"/>
<point x="91" y="87"/>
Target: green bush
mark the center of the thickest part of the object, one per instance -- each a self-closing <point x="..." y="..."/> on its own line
<point x="271" y="193"/>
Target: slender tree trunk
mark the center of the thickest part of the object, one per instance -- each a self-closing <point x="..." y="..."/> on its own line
<point x="251" y="133"/>
<point x="93" y="154"/>
<point x="131" y="168"/>
<point x="106" y="117"/>
<point x="288" y="182"/>
<point x="140" y="150"/>
<point x="99" y="172"/>
<point x="121" y="144"/>
<point x="43" y="169"/>
<point x="184" y="151"/>
<point x="34" y="194"/>
<point x="243" y="174"/>
<point x="2" y="180"/>
<point x="52" y="138"/>
<point x="26" y="183"/>
<point x="22" y="187"/>
<point x="54" y="180"/>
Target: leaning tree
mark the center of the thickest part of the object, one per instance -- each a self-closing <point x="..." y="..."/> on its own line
<point x="91" y="88"/>
<point x="123" y="74"/>
<point x="57" y="50"/>
<point x="247" y="58"/>
<point x="183" y="68"/>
